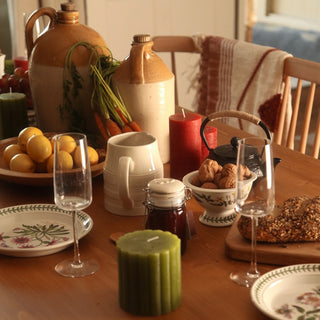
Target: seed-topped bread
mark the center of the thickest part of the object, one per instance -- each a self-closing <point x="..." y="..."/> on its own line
<point x="297" y="220"/>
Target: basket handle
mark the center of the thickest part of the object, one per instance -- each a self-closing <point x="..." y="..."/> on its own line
<point x="233" y="114"/>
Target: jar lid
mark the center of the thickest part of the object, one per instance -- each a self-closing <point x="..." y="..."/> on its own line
<point x="166" y="192"/>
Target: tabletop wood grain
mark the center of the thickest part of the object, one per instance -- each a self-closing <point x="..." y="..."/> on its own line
<point x="31" y="289"/>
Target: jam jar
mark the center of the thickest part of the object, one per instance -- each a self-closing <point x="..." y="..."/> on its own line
<point x="166" y="207"/>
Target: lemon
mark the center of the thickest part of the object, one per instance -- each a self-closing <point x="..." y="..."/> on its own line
<point x="93" y="156"/>
<point x="10" y="151"/>
<point x="49" y="164"/>
<point x="22" y="162"/>
<point x="39" y="148"/>
<point x="67" y="143"/>
<point x="25" y="134"/>
<point x="92" y="153"/>
<point x="65" y="160"/>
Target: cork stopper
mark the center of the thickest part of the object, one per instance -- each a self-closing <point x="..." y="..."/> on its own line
<point x="68" y="6"/>
<point x="141" y="38"/>
<point x="68" y="14"/>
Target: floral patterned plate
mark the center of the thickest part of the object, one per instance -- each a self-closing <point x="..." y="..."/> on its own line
<point x="291" y="292"/>
<point x="33" y="230"/>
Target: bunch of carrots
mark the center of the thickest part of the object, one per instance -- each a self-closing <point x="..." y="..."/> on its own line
<point x="110" y="113"/>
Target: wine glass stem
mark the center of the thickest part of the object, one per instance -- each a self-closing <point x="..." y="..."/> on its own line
<point x="76" y="252"/>
<point x="253" y="266"/>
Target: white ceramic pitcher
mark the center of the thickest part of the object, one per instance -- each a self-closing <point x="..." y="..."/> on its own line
<point x="132" y="160"/>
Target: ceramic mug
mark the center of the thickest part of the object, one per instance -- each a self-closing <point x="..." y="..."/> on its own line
<point x="132" y="160"/>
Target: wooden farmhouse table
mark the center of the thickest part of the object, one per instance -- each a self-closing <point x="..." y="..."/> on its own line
<point x="31" y="289"/>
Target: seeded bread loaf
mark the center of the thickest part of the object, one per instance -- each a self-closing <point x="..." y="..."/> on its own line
<point x="297" y="220"/>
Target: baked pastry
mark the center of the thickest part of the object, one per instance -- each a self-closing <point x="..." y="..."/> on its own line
<point x="297" y="220"/>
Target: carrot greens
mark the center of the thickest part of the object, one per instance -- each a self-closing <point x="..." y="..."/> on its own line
<point x="108" y="108"/>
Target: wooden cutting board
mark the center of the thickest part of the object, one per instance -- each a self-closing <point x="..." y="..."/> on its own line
<point x="292" y="253"/>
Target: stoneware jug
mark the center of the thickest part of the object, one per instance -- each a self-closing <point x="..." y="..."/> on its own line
<point x="47" y="55"/>
<point x="132" y="160"/>
<point x="146" y="86"/>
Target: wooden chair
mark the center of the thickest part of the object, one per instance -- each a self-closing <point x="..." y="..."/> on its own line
<point x="174" y="44"/>
<point x="300" y="69"/>
<point x="302" y="115"/>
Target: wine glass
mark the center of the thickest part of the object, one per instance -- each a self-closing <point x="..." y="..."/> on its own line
<point x="73" y="192"/>
<point x="259" y="200"/>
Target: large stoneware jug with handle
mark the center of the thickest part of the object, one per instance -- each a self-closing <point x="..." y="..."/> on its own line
<point x="146" y="86"/>
<point x="47" y="54"/>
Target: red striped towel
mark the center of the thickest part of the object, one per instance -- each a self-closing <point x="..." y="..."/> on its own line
<point x="238" y="75"/>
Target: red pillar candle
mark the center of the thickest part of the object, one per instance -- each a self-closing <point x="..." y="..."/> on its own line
<point x="21" y="62"/>
<point x="211" y="137"/>
<point x="185" y="143"/>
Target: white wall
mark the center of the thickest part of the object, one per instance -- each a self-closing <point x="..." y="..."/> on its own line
<point x="118" y="20"/>
<point x="20" y="10"/>
<point x="307" y="9"/>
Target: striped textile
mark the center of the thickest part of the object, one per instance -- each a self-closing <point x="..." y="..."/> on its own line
<point x="238" y="75"/>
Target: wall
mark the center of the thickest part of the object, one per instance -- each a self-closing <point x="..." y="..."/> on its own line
<point x="307" y="9"/>
<point x="118" y="20"/>
<point x="18" y="13"/>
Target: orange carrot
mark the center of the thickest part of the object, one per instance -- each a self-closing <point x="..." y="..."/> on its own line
<point x="126" y="128"/>
<point x="122" y="116"/>
<point x="101" y="126"/>
<point x="134" y="126"/>
<point x="113" y="128"/>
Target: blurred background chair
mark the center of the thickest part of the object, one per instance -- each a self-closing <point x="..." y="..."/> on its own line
<point x="301" y="79"/>
<point x="304" y="130"/>
<point x="228" y="74"/>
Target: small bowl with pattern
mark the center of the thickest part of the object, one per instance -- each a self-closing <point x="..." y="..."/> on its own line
<point x="219" y="204"/>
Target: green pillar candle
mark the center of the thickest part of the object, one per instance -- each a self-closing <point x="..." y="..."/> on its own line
<point x="149" y="267"/>
<point x="13" y="114"/>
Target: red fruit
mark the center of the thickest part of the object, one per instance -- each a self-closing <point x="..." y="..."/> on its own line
<point x="24" y="85"/>
<point x="13" y="83"/>
<point x="4" y="85"/>
<point x="6" y="76"/>
<point x="19" y="72"/>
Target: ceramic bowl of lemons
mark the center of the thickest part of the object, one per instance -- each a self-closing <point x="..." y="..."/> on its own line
<point x="28" y="158"/>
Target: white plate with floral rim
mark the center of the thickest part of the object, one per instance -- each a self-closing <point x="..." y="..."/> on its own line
<point x="291" y="292"/>
<point x="33" y="230"/>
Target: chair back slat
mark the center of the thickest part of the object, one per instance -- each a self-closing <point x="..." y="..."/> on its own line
<point x="307" y="117"/>
<point x="295" y="111"/>
<point x="279" y="132"/>
<point x="316" y="145"/>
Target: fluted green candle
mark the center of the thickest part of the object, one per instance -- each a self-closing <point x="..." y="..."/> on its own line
<point x="149" y="267"/>
<point x="13" y="114"/>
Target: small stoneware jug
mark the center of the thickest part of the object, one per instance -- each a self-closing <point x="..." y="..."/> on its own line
<point x="132" y="160"/>
<point x="47" y="54"/>
<point x="146" y="86"/>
